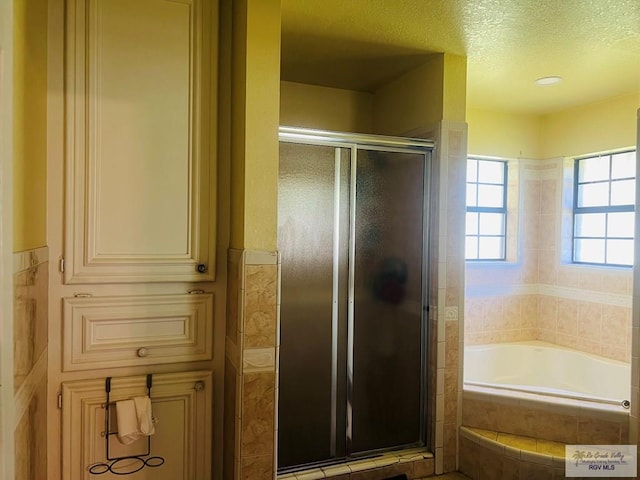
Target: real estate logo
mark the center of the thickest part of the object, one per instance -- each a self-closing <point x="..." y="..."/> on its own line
<point x="601" y="461"/>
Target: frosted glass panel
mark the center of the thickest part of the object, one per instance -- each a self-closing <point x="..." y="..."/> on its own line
<point x="591" y="169"/>
<point x="471" y="247"/>
<point x="590" y="225"/>
<point x="490" y="196"/>
<point x="621" y="224"/>
<point x="589" y="251"/>
<point x="491" y="224"/>
<point x="491" y="247"/>
<point x="623" y="192"/>
<point x="472" y="170"/>
<point x="472" y="223"/>
<point x="307" y="222"/>
<point x="620" y="252"/>
<point x="388" y="299"/>
<point x="490" y="171"/>
<point x="593" y="194"/>
<point x="623" y="165"/>
<point x="352" y="285"/>
<point x="472" y="195"/>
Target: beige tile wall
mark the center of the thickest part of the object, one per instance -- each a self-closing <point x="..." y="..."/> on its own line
<point x="251" y="369"/>
<point x="538" y="297"/>
<point x="414" y="464"/>
<point x="30" y="283"/>
<point x="446" y="300"/>
<point x="566" y="425"/>
<point x="485" y="459"/>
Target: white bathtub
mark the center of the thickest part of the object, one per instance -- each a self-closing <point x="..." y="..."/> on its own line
<point x="546" y="369"/>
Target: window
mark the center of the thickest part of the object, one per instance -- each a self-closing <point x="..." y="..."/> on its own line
<point x="486" y="209"/>
<point x="603" y="209"/>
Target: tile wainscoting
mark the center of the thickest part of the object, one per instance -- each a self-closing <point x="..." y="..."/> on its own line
<point x="30" y="284"/>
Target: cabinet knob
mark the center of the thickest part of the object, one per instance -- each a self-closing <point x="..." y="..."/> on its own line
<point x="201" y="268"/>
<point x="142" y="352"/>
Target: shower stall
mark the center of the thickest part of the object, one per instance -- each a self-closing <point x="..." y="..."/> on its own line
<point x="352" y="233"/>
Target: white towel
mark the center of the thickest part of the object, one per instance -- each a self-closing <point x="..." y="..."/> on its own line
<point x="135" y="419"/>
<point x="145" y="416"/>
<point x="128" y="431"/>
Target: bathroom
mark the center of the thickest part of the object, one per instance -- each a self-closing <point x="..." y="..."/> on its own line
<point x="244" y="358"/>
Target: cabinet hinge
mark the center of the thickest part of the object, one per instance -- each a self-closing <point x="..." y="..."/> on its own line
<point x="61" y="264"/>
<point x="59" y="401"/>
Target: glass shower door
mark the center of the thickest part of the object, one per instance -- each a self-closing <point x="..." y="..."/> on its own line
<point x="313" y="232"/>
<point x="388" y="298"/>
<point x="351" y="234"/>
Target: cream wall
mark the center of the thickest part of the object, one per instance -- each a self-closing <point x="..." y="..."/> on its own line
<point x="30" y="124"/>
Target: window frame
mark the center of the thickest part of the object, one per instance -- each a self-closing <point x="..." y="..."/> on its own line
<point x="606" y="209"/>
<point x="482" y="209"/>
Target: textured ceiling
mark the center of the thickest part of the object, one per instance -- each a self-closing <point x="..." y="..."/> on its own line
<point x="359" y="44"/>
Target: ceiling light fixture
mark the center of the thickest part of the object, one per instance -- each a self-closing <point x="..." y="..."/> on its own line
<point x="552" y="80"/>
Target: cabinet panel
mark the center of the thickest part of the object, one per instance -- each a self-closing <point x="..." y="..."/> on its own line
<point x="139" y="169"/>
<point x="181" y="403"/>
<point x="104" y="332"/>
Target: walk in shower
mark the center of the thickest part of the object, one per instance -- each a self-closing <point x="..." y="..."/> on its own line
<point x="352" y="232"/>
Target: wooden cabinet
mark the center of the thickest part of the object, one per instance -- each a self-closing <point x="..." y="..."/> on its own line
<point x="140" y="96"/>
<point x="107" y="332"/>
<point x="180" y="402"/>
<point x="133" y="213"/>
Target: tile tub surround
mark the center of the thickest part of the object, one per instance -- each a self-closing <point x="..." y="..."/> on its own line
<point x="540" y="294"/>
<point x="489" y="455"/>
<point x="593" y="322"/>
<point x="567" y="421"/>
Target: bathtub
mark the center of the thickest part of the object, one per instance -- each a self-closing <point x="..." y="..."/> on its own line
<point x="548" y="370"/>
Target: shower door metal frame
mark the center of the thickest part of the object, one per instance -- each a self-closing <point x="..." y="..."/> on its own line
<point x="353" y="142"/>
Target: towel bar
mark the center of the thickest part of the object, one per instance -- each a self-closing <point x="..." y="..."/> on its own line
<point x="132" y="463"/>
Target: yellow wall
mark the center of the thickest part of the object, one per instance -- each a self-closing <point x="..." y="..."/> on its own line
<point x="592" y="128"/>
<point x="312" y="106"/>
<point x="596" y="127"/>
<point x="254" y="69"/>
<point x="30" y="124"/>
<point x="412" y="102"/>
<point x="503" y="134"/>
<point x="454" y="84"/>
<point x="415" y="102"/>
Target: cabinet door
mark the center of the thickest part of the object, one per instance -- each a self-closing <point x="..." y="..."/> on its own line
<point x="108" y="332"/>
<point x="140" y="122"/>
<point x="181" y="404"/>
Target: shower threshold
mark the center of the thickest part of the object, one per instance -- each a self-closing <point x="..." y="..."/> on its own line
<point x="418" y="460"/>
